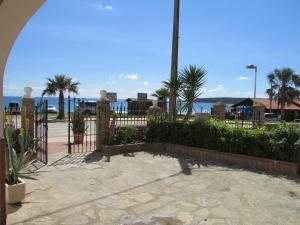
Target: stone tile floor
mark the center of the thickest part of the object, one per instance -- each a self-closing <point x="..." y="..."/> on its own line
<point x="89" y="189"/>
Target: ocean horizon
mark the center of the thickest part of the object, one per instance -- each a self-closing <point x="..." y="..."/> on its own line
<point x="53" y="101"/>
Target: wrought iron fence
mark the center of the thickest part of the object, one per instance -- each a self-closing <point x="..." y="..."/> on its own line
<point x="243" y="119"/>
<point x="11" y="117"/>
<point x="124" y="116"/>
<point x="81" y="125"/>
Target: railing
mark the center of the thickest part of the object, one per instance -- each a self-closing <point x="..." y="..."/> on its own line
<point x="85" y="142"/>
<point x="242" y="119"/>
<point x="124" y="116"/>
<point x="11" y="117"/>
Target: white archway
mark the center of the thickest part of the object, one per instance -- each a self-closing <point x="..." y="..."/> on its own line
<point x="14" y="14"/>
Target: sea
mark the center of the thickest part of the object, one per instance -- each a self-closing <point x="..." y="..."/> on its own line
<point x="53" y="101"/>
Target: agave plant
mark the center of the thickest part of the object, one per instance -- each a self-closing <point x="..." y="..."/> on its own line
<point x="16" y="163"/>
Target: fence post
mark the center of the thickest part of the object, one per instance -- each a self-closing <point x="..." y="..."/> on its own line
<point x="2" y="183"/>
<point x="28" y="111"/>
<point x="102" y="120"/>
<point x="219" y="110"/>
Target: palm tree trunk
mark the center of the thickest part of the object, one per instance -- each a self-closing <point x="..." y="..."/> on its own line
<point x="61" y="113"/>
<point x="189" y="112"/>
<point x="174" y="63"/>
<point x="282" y="111"/>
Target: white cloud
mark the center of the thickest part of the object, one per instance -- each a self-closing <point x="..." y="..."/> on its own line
<point x="104" y="7"/>
<point x="114" y="82"/>
<point x="133" y="76"/>
<point x="146" y="83"/>
<point x="242" y="78"/>
<point x="219" y="89"/>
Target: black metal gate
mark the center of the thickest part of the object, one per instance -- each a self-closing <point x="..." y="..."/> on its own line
<point x="41" y="131"/>
<point x="81" y="125"/>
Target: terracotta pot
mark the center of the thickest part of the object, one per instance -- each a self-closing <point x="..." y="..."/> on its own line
<point x="15" y="193"/>
<point x="78" y="138"/>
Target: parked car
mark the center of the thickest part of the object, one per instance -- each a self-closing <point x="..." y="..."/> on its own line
<point x="88" y="107"/>
<point x="51" y="109"/>
<point x="271" y="117"/>
<point x="13" y="108"/>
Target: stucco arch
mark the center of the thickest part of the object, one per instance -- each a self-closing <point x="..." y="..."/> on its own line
<point x="14" y="14"/>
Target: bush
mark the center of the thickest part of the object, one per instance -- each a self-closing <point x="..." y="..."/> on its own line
<point x="127" y="135"/>
<point x="281" y="143"/>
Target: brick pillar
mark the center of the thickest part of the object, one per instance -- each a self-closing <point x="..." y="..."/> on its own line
<point x="258" y="116"/>
<point x="2" y="183"/>
<point x="102" y="122"/>
<point x="219" y="110"/>
<point x="28" y="111"/>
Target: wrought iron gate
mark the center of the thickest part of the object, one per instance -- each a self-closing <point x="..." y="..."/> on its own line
<point x="81" y="125"/>
<point x="41" y="131"/>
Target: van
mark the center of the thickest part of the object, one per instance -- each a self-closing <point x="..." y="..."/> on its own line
<point x="88" y="107"/>
<point x="13" y="108"/>
<point x="271" y="117"/>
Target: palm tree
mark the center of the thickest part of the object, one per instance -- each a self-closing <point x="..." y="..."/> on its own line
<point x="162" y="93"/>
<point x="60" y="84"/>
<point x="174" y="63"/>
<point x="285" y="84"/>
<point x="271" y="93"/>
<point x="193" y="79"/>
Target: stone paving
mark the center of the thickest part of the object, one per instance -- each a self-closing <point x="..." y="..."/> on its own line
<point x="89" y="189"/>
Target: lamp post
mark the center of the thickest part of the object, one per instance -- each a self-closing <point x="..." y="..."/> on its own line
<point x="253" y="67"/>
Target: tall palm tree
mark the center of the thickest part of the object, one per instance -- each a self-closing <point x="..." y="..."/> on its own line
<point x="60" y="84"/>
<point x="174" y="63"/>
<point x="285" y="84"/>
<point x="193" y="79"/>
<point x="162" y="93"/>
<point x="271" y="93"/>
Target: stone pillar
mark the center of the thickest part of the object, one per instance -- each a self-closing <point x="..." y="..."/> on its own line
<point x="154" y="110"/>
<point x="258" y="115"/>
<point x="28" y="111"/>
<point x="219" y="110"/>
<point x="102" y="120"/>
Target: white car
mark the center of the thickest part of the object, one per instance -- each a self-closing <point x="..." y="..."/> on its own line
<point x="51" y="109"/>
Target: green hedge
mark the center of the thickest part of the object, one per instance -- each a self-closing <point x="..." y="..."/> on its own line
<point x="281" y="143"/>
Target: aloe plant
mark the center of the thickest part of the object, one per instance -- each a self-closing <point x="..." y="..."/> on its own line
<point x="16" y="163"/>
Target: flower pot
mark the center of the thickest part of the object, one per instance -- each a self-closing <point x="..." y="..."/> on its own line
<point x="78" y="138"/>
<point x="15" y="193"/>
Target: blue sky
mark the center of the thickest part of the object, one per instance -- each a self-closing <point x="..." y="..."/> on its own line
<point x="125" y="46"/>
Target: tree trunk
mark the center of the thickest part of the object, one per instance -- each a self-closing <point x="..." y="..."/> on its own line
<point x="164" y="106"/>
<point x="174" y="63"/>
<point x="282" y="113"/>
<point x="189" y="112"/>
<point x="61" y="113"/>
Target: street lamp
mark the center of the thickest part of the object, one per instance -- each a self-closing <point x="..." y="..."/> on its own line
<point x="253" y="67"/>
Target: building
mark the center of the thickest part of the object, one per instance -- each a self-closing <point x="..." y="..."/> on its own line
<point x="292" y="111"/>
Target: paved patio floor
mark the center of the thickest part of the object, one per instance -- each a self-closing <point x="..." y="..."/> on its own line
<point x="89" y="189"/>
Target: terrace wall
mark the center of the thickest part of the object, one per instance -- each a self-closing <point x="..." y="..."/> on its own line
<point x="206" y="154"/>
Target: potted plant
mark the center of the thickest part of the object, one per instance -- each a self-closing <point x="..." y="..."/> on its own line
<point x="14" y="166"/>
<point x="78" y="127"/>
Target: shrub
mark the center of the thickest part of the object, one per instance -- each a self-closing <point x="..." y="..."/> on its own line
<point x="281" y="143"/>
<point x="127" y="135"/>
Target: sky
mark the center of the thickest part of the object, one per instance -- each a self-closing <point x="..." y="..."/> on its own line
<point x="124" y="46"/>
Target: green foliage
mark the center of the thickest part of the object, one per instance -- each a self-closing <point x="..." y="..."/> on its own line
<point x="16" y="163"/>
<point x="77" y="123"/>
<point x="127" y="135"/>
<point x="281" y="143"/>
